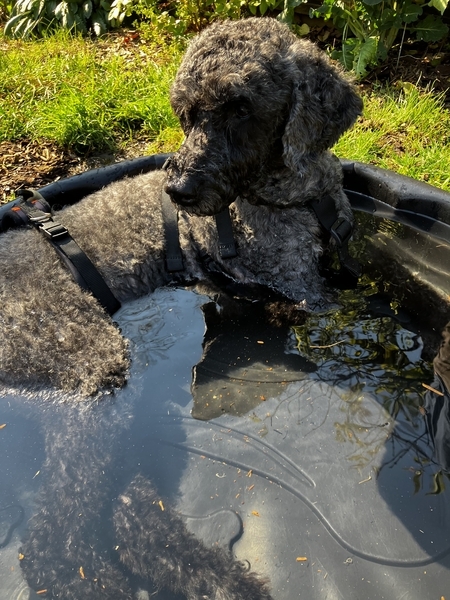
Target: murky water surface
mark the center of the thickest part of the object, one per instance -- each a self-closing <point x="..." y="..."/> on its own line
<point x="304" y="447"/>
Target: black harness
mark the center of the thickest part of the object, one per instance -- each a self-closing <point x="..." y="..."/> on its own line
<point x="174" y="257"/>
<point x="33" y="209"/>
<point x="337" y="227"/>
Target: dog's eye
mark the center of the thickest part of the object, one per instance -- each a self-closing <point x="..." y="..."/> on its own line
<point x="241" y="111"/>
<point x="236" y="108"/>
<point x="192" y="116"/>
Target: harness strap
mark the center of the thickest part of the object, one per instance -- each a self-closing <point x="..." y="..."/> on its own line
<point x="340" y="230"/>
<point x="38" y="212"/>
<point x="16" y="216"/>
<point x="227" y="246"/>
<point x="174" y="257"/>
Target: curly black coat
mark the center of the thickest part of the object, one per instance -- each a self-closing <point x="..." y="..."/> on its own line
<point x="260" y="108"/>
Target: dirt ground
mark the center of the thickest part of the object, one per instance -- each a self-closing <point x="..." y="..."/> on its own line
<point x="30" y="164"/>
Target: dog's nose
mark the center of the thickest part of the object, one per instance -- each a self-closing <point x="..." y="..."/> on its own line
<point x="181" y="193"/>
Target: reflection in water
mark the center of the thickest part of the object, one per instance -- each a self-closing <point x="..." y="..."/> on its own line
<point x="364" y="349"/>
<point x="410" y="265"/>
<point x="100" y="528"/>
<point x="437" y="410"/>
<point x="244" y="360"/>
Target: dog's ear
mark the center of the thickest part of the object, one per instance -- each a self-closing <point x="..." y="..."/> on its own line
<point x="324" y="105"/>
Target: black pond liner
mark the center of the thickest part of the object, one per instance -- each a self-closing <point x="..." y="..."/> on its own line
<point x="303" y="448"/>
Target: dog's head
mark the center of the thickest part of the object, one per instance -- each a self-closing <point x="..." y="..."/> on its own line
<point x="252" y="100"/>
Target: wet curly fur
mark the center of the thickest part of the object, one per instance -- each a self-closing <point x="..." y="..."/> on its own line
<point x="259" y="108"/>
<point x="85" y="542"/>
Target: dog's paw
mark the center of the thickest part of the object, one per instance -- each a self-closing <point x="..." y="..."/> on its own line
<point x="154" y="543"/>
<point x="65" y="581"/>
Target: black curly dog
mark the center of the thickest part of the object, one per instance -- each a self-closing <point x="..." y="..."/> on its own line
<point x="260" y="109"/>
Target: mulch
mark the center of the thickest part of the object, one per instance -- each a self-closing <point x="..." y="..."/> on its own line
<point x="31" y="164"/>
<point x="425" y="67"/>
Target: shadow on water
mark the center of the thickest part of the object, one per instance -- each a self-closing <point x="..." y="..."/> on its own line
<point x="244" y="360"/>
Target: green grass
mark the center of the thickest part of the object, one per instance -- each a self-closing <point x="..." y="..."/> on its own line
<point x="95" y="96"/>
<point x="406" y="130"/>
<point x="80" y="95"/>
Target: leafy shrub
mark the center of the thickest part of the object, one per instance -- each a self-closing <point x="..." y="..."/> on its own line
<point x="178" y="17"/>
<point x="174" y="17"/>
<point x="37" y="16"/>
<point x="370" y="27"/>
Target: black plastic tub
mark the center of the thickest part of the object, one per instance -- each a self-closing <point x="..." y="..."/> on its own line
<point x="306" y="449"/>
<point x="385" y="195"/>
<point x="71" y="190"/>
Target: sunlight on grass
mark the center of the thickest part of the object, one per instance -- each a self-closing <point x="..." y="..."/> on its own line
<point x="168" y="140"/>
<point x="67" y="90"/>
<point x="92" y="96"/>
<point x="407" y="131"/>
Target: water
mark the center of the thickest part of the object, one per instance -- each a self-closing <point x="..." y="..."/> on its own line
<point x="309" y="452"/>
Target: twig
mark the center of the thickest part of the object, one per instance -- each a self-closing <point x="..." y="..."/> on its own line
<point x="329" y="345"/>
<point x="432" y="389"/>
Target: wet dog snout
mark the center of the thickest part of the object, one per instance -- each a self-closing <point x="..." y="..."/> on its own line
<point x="182" y="193"/>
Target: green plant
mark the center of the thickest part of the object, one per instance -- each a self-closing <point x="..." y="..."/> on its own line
<point x="370" y="27"/>
<point x="288" y="8"/>
<point x="166" y="18"/>
<point x="34" y="17"/>
<point x="176" y="18"/>
<point x="180" y="17"/>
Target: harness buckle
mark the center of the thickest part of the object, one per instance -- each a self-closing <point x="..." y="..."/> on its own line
<point x="52" y="229"/>
<point x="341" y="231"/>
<point x="43" y="217"/>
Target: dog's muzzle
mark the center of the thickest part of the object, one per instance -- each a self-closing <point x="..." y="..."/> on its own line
<point x="182" y="193"/>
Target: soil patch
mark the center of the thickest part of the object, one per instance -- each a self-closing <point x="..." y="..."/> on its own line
<point x="31" y="164"/>
<point x="420" y="65"/>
